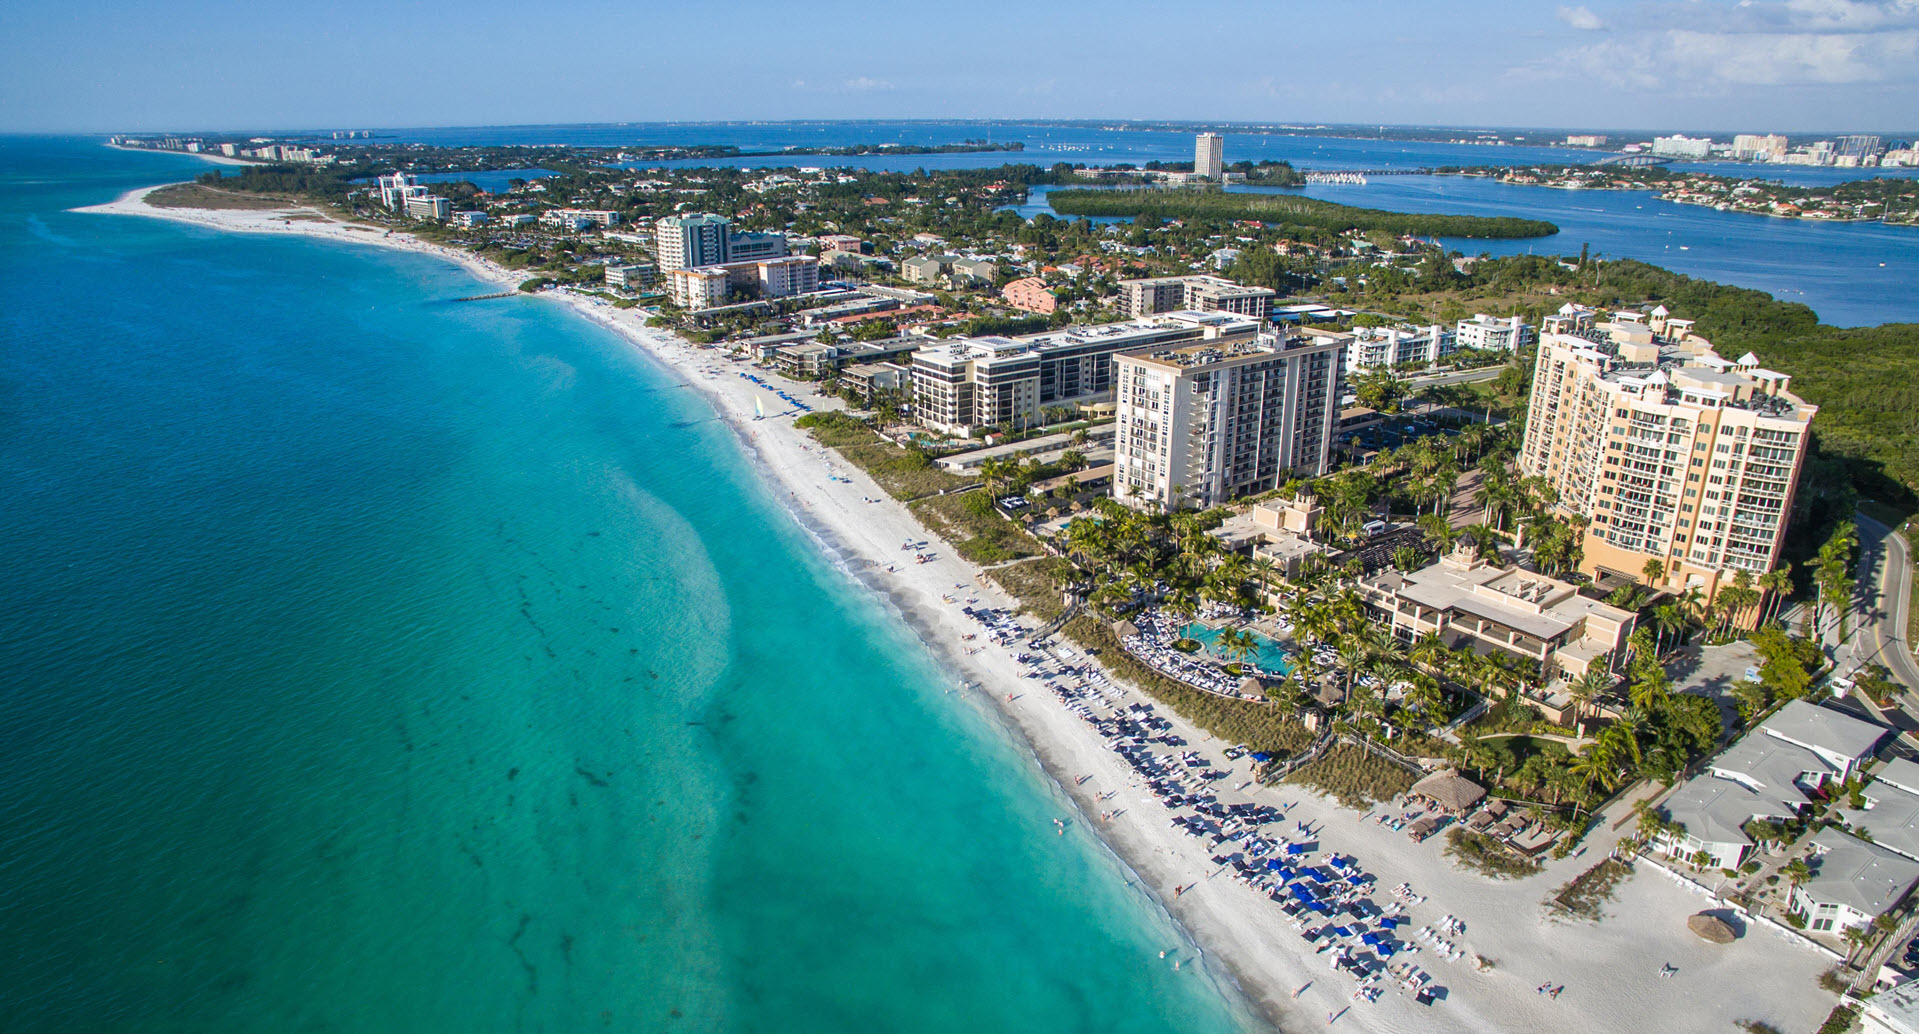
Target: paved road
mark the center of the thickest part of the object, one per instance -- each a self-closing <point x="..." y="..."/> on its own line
<point x="1484" y="373"/>
<point x="1885" y="576"/>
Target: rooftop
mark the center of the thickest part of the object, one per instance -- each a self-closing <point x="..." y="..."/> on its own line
<point x="1688" y="373"/>
<point x="1824" y="729"/>
<point x="1759" y="775"/>
<point x="1865" y="877"/>
<point x="1522" y="600"/>
<point x="1891" y="818"/>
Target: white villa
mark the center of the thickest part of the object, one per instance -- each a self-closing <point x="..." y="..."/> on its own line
<point x="1853" y="883"/>
<point x="1766" y="775"/>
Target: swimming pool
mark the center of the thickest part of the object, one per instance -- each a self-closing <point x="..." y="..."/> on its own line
<point x="1268" y="656"/>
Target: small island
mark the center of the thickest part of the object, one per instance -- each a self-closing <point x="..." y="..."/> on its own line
<point x="1885" y="199"/>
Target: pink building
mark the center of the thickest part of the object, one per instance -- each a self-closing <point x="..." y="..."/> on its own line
<point x="1031" y="295"/>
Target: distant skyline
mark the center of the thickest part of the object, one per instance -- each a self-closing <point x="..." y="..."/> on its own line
<point x="1701" y="65"/>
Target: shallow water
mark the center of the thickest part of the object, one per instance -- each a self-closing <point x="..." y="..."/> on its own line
<point x="376" y="662"/>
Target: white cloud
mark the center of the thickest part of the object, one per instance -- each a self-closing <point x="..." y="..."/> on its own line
<point x="1581" y="18"/>
<point x="1707" y="48"/>
<point x="864" y="83"/>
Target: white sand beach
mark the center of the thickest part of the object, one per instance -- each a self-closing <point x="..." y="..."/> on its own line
<point x="1611" y="971"/>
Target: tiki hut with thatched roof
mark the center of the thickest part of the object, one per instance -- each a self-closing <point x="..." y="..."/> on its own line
<point x="1124" y="628"/>
<point x="1450" y="791"/>
<point x="1711" y="928"/>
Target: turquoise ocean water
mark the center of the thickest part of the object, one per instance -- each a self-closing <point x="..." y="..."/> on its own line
<point x="375" y="662"/>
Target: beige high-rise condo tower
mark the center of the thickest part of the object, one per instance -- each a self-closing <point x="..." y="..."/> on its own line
<point x="1670" y="452"/>
<point x="1207" y="152"/>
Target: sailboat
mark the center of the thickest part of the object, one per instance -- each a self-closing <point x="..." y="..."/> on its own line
<point x="759" y="411"/>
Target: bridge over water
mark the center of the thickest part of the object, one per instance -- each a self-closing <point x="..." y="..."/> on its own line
<point x="1633" y="161"/>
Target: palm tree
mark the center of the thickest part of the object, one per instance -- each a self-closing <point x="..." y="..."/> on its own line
<point x="1266" y="567"/>
<point x="1238" y="644"/>
<point x="1777" y="583"/>
<point x="1290" y="689"/>
<point x="1594" y="765"/>
<point x="1435" y="530"/>
<point x="1353" y="653"/>
<point x="1591" y="684"/>
<point x="1667" y="618"/>
<point x="1430" y="652"/>
<point x="1654" y="571"/>
<point x="1650" y="689"/>
<point x="1423" y="698"/>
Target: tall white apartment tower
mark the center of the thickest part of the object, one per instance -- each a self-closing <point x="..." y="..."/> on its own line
<point x="688" y="241"/>
<point x="1201" y="423"/>
<point x="1207" y="152"/>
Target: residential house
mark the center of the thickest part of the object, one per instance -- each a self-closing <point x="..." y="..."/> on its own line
<point x="1767" y="775"/>
<point x="1854" y="883"/>
<point x="1892" y="802"/>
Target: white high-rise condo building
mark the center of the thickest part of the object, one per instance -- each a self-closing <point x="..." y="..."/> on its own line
<point x="1208" y="150"/>
<point x="1755" y="147"/>
<point x="1668" y="451"/>
<point x="1203" y="422"/>
<point x="1678" y="146"/>
<point x="962" y="384"/>
<point x="397" y="188"/>
<point x="1372" y="348"/>
<point x="1492" y="333"/>
<point x="686" y="241"/>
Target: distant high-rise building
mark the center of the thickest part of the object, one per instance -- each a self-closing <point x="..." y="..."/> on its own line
<point x="1587" y="140"/>
<point x="396" y="189"/>
<point x="1678" y="146"/>
<point x="1207" y="152"/>
<point x="1492" y="333"/>
<point x="1859" y="146"/>
<point x="426" y="206"/>
<point x="1754" y="147"/>
<point x="1196" y="293"/>
<point x="961" y="383"/>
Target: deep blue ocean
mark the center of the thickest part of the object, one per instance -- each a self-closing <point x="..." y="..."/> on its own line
<point x="377" y="663"/>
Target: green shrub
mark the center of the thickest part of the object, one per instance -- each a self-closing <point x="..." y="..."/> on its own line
<point x="1487" y="856"/>
<point x="1355" y="776"/>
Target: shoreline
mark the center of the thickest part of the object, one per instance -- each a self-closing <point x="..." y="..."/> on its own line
<point x="1654" y="192"/>
<point x="1244" y="940"/>
<point x="217" y="159"/>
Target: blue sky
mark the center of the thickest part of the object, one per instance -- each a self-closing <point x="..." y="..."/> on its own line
<point x="1722" y="65"/>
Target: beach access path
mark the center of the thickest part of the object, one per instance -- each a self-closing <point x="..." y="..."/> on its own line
<point x="1611" y="970"/>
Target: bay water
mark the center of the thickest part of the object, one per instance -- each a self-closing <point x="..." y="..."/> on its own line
<point x="1850" y="274"/>
<point x="378" y="662"/>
